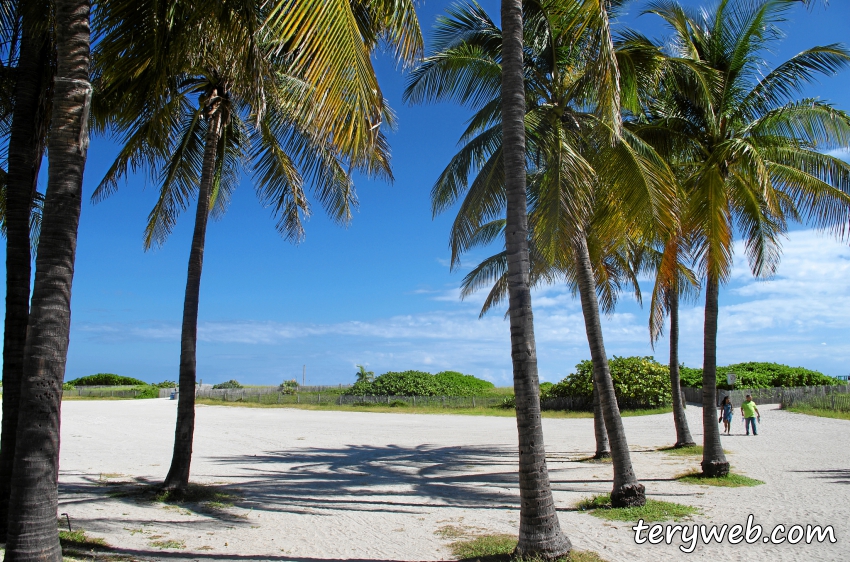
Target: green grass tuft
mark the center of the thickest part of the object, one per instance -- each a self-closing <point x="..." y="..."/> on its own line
<point x="692" y="451"/>
<point x="730" y="481"/>
<point x="168" y="544"/>
<point x="78" y="539"/>
<point x="654" y="510"/>
<point x="500" y="548"/>
<point x="809" y="411"/>
<point x="196" y="493"/>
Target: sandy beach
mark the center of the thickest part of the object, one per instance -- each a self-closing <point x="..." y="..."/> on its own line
<point x="316" y="485"/>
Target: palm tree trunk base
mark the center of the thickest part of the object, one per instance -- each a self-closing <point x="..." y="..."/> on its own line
<point x="602" y="455"/>
<point x="684" y="444"/>
<point x="555" y="546"/>
<point x="629" y="495"/>
<point x="714" y="469"/>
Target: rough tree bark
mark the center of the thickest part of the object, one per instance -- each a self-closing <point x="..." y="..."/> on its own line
<point x="683" y="432"/>
<point x="178" y="475"/>
<point x="26" y="147"/>
<point x="539" y="530"/>
<point x="714" y="462"/>
<point x="603" y="449"/>
<point x="33" y="503"/>
<point x="627" y="491"/>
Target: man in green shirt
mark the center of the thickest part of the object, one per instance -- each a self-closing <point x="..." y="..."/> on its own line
<point x="750" y="413"/>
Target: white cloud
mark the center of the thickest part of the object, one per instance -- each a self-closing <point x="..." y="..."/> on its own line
<point x="799" y="317"/>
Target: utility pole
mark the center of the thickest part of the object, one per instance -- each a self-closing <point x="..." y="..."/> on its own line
<point x="304" y="376"/>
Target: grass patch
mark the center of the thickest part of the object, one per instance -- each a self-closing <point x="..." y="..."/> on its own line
<point x="692" y="451"/>
<point x="168" y="544"/>
<point x="494" y="411"/>
<point x="821" y="413"/>
<point x="592" y="459"/>
<point x="654" y="510"/>
<point x="78" y="539"/>
<point x="500" y="548"/>
<point x="214" y="496"/>
<point x="730" y="481"/>
<point x="645" y="412"/>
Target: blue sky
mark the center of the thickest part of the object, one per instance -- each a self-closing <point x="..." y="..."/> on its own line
<point x="380" y="292"/>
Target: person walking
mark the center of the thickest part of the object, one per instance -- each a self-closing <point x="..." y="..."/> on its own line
<point x="750" y="413"/>
<point x="726" y="414"/>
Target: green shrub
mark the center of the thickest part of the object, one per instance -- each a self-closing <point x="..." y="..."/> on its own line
<point x="508" y="402"/>
<point x="288" y="387"/>
<point x="759" y="375"/>
<point x="232" y="383"/>
<point x="407" y="383"/>
<point x="67" y="386"/>
<point x="360" y="388"/>
<point x="166" y="384"/>
<point x="546" y="390"/>
<point x="638" y="381"/>
<point x="147" y="391"/>
<point x="420" y="383"/>
<point x="106" y="379"/>
<point x="452" y="383"/>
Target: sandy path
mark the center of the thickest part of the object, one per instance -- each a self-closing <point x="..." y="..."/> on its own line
<point x="364" y="486"/>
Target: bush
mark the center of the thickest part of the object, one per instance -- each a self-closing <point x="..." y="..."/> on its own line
<point x="452" y="383"/>
<point x="106" y="379"/>
<point x="420" y="383"/>
<point x="759" y="375"/>
<point x="147" y="391"/>
<point x="288" y="387"/>
<point x="166" y="384"/>
<point x="638" y="381"/>
<point x="232" y="383"/>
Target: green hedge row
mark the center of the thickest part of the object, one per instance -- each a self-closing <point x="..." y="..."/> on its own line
<point x="420" y="383"/>
<point x="759" y="375"/>
<point x="111" y="379"/>
<point x="637" y="380"/>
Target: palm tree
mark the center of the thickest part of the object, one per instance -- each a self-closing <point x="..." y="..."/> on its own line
<point x="26" y="104"/>
<point x="562" y="137"/>
<point x="34" y="495"/>
<point x="253" y="105"/>
<point x="363" y="375"/>
<point x="539" y="530"/>
<point x="672" y="280"/>
<point x="747" y="150"/>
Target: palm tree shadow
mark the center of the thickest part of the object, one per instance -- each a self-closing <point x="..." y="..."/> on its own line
<point x="841" y="475"/>
<point x="376" y="478"/>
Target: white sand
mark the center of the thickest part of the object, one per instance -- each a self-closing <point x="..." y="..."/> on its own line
<point x="371" y="486"/>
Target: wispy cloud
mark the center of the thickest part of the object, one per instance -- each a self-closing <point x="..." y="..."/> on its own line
<point x="786" y="319"/>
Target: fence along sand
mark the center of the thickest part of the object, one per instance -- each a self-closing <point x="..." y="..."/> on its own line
<point x="778" y="395"/>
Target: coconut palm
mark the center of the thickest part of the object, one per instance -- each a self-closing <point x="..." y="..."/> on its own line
<point x="34" y="495"/>
<point x="539" y="530"/>
<point x="615" y="268"/>
<point x="238" y="100"/>
<point x="747" y="149"/>
<point x="365" y="376"/>
<point x="27" y="75"/>
<point x="562" y="136"/>
<point x="672" y="280"/>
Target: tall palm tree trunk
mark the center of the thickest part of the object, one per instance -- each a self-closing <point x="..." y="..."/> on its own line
<point x="683" y="432"/>
<point x="178" y="475"/>
<point x="714" y="462"/>
<point x="26" y="146"/>
<point x="539" y="530"/>
<point x="603" y="450"/>
<point x="627" y="491"/>
<point x="33" y="503"/>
